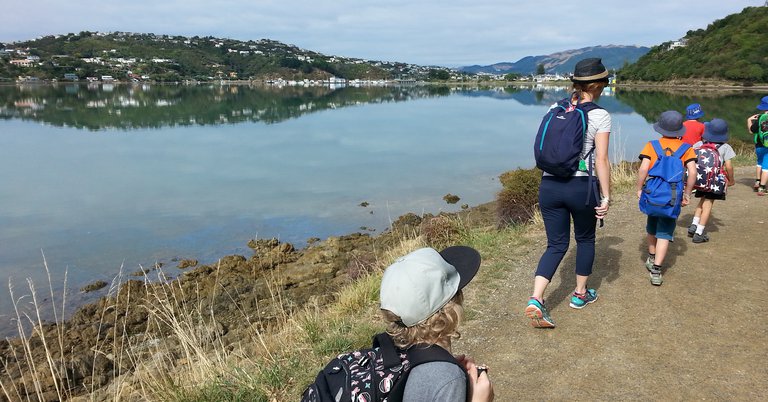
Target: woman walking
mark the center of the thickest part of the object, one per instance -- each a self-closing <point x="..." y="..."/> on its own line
<point x="563" y="198"/>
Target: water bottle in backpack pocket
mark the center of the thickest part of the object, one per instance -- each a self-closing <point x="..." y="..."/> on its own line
<point x="662" y="193"/>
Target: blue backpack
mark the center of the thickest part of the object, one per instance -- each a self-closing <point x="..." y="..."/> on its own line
<point x="662" y="193"/>
<point x="560" y="139"/>
<point x="378" y="373"/>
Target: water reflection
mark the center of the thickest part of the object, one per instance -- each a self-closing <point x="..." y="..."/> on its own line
<point x="110" y="106"/>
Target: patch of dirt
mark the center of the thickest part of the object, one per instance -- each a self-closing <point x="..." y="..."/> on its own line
<point x="702" y="335"/>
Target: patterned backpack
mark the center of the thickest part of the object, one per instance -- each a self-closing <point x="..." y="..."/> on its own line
<point x="374" y="374"/>
<point x="709" y="174"/>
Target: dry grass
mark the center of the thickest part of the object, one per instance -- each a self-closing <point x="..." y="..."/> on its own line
<point x="184" y="358"/>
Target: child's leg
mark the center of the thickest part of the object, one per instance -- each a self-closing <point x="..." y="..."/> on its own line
<point x="706" y="210"/>
<point x="697" y="214"/>
<point x="762" y="169"/>
<point x="662" y="245"/>
<point x="651" y="244"/>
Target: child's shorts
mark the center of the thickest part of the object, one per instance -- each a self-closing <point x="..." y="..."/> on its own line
<point x="762" y="158"/>
<point x="709" y="196"/>
<point x="662" y="228"/>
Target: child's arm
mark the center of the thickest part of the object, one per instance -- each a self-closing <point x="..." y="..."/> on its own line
<point x="642" y="173"/>
<point x="691" y="166"/>
<point x="750" y="121"/>
<point x="729" y="174"/>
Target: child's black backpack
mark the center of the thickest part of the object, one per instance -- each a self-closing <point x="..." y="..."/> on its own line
<point x="373" y="374"/>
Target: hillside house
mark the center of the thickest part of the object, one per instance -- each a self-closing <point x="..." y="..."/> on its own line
<point x="22" y="63"/>
<point x="678" y="43"/>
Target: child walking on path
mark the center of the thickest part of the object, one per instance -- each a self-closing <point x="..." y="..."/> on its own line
<point x="661" y="229"/>
<point x="693" y="127"/>
<point x="761" y="150"/>
<point x="714" y="140"/>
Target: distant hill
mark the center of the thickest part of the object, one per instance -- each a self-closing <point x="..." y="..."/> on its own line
<point x="148" y="56"/>
<point x="733" y="48"/>
<point x="614" y="57"/>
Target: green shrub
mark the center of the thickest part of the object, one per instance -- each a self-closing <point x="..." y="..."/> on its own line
<point x="441" y="231"/>
<point x="516" y="202"/>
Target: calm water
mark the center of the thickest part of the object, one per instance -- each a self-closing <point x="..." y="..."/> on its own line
<point x="98" y="178"/>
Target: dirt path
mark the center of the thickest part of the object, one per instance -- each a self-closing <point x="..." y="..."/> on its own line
<point x="702" y="335"/>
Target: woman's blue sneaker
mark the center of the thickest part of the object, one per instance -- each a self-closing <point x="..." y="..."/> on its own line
<point x="538" y="314"/>
<point x="581" y="300"/>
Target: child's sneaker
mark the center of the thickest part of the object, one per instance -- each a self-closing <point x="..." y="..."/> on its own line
<point x="756" y="186"/>
<point x="581" y="300"/>
<point x="691" y="230"/>
<point x="700" y="238"/>
<point x="762" y="191"/>
<point x="656" y="278"/>
<point x="649" y="262"/>
<point x="538" y="314"/>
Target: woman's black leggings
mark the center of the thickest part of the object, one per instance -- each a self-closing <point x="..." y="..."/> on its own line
<point x="561" y="199"/>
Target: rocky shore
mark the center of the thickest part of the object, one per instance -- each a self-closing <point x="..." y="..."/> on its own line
<point x="221" y="303"/>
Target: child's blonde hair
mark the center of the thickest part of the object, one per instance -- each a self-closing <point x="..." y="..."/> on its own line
<point x="441" y="326"/>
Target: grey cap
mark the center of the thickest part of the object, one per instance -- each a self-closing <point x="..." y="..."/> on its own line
<point x="420" y="283"/>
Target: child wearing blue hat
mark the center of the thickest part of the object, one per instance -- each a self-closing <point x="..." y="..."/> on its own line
<point x="661" y="230"/>
<point x="758" y="125"/>
<point x="693" y="127"/>
<point x="714" y="175"/>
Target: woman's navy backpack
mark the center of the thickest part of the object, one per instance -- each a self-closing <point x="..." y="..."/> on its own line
<point x="560" y="139"/>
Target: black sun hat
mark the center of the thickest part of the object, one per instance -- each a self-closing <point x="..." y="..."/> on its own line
<point x="589" y="70"/>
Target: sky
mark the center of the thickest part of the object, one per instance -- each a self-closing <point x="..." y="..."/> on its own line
<point x="447" y="33"/>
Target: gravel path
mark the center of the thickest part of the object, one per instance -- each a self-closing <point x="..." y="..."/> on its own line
<point x="702" y="335"/>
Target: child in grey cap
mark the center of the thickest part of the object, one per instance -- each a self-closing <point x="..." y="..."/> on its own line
<point x="421" y="301"/>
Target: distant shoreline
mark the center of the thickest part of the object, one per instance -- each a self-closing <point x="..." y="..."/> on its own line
<point x="707" y="85"/>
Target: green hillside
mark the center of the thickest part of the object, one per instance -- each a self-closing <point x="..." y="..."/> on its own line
<point x="734" y="48"/>
<point x="126" y="56"/>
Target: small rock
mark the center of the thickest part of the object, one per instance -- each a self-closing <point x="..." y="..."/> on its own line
<point x="451" y="199"/>
<point x="95" y="285"/>
<point x="186" y="263"/>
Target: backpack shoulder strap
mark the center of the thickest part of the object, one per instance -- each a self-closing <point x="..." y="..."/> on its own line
<point x="589" y="106"/>
<point x="419" y="354"/>
<point x="681" y="150"/>
<point x="389" y="352"/>
<point x="656" y="144"/>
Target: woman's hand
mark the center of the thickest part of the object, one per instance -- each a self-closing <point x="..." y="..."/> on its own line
<point x="602" y="209"/>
